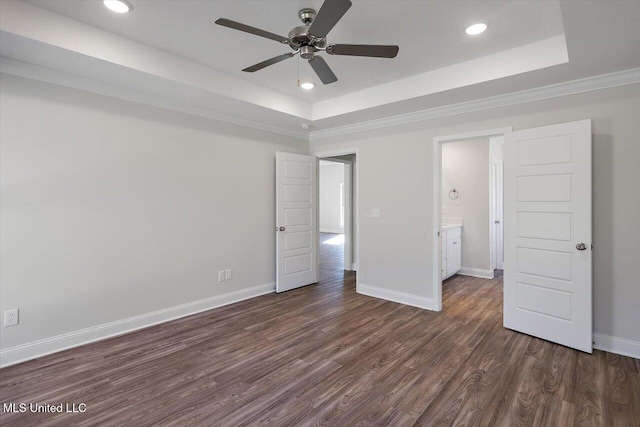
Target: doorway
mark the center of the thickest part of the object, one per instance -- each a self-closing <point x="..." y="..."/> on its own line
<point x="335" y="215"/>
<point x="331" y="218"/>
<point x="338" y="231"/>
<point x="297" y="232"/>
<point x="465" y="208"/>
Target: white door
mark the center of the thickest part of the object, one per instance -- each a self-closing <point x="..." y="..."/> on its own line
<point x="547" y="233"/>
<point x="497" y="253"/>
<point x="296" y="201"/>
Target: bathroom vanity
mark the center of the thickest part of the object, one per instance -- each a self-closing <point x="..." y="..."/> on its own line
<point x="451" y="249"/>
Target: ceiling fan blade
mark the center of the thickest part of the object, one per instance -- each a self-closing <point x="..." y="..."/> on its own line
<point x="322" y="70"/>
<point x="268" y="62"/>
<point x="328" y="16"/>
<point x="251" y="30"/>
<point x="372" y="50"/>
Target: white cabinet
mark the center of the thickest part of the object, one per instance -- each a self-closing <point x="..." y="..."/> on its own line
<point x="454" y="256"/>
<point x="451" y="251"/>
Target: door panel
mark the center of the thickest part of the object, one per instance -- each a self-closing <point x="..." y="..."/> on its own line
<point x="544" y="188"/>
<point x="296" y="201"/>
<point x="544" y="225"/>
<point x="547" y="191"/>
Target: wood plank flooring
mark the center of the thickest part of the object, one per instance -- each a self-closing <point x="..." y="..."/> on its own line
<point x="324" y="355"/>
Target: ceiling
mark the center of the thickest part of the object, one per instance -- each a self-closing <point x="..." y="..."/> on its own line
<point x="431" y="35"/>
<point x="170" y="53"/>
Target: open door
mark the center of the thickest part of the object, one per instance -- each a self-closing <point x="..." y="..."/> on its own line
<point x="497" y="232"/>
<point x="296" y="225"/>
<point x="548" y="252"/>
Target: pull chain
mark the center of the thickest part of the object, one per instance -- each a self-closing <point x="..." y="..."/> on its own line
<point x="298" y="70"/>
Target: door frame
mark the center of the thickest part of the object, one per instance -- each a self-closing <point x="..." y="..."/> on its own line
<point x="496" y="212"/>
<point x="354" y="238"/>
<point x="437" y="201"/>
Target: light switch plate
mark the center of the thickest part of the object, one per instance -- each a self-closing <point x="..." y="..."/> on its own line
<point x="375" y="212"/>
<point x="227" y="274"/>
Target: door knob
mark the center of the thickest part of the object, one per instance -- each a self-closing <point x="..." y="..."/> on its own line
<point x="581" y="246"/>
<point x="281" y="229"/>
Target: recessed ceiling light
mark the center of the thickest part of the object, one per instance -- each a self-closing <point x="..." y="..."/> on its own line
<point x="307" y="86"/>
<point x="475" y="29"/>
<point x="118" y="6"/>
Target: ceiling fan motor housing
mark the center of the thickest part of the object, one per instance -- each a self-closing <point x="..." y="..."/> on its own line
<point x="299" y="37"/>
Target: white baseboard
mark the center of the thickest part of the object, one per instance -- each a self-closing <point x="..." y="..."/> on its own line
<point x="476" y="272"/>
<point x="617" y="345"/>
<point x="332" y="230"/>
<point x="34" y="349"/>
<point x="395" y="296"/>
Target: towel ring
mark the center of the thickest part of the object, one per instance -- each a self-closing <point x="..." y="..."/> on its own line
<point x="453" y="194"/>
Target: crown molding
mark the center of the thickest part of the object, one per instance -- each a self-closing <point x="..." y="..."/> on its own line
<point x="588" y="84"/>
<point x="61" y="78"/>
<point x="36" y="72"/>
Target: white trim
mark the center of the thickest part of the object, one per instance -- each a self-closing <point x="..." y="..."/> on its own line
<point x="437" y="200"/>
<point x="572" y="87"/>
<point x="476" y="272"/>
<point x="395" y="296"/>
<point x="347" y="214"/>
<point x="355" y="209"/>
<point x="34" y="349"/>
<point x="36" y="72"/>
<point x="486" y="133"/>
<point x="617" y="345"/>
<point x="332" y="230"/>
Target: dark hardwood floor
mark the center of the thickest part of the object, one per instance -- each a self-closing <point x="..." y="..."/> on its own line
<point x="324" y="355"/>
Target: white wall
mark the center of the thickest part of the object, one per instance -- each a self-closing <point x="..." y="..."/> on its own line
<point x="112" y="209"/>
<point x="331" y="178"/>
<point x="465" y="167"/>
<point x="396" y="175"/>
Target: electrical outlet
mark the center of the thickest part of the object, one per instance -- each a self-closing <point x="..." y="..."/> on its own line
<point x="11" y="317"/>
<point x="221" y="275"/>
<point x="227" y="274"/>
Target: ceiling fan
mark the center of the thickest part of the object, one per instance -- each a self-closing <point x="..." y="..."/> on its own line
<point x="310" y="38"/>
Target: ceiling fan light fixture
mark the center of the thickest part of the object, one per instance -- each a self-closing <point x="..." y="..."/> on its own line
<point x="310" y="38"/>
<point x="475" y="29"/>
<point x="118" y="6"/>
